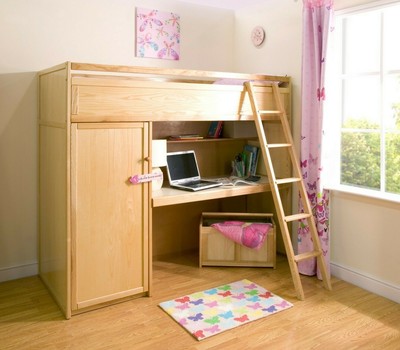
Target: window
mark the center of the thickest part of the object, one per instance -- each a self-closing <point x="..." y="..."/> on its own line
<point x="363" y="116"/>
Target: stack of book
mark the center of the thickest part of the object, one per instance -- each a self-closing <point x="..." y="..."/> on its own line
<point x="252" y="154"/>
<point x="215" y="129"/>
<point x="245" y="163"/>
<point x="185" y="137"/>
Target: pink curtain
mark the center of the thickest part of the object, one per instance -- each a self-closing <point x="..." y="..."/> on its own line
<point x="317" y="24"/>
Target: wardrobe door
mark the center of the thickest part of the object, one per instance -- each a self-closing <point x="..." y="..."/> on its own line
<point x="109" y="215"/>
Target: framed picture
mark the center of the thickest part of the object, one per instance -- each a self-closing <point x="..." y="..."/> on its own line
<point x="157" y="34"/>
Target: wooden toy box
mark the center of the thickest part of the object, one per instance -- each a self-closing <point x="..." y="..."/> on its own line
<point x="217" y="250"/>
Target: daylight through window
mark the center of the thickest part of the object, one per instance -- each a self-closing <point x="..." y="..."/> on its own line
<point x="365" y="81"/>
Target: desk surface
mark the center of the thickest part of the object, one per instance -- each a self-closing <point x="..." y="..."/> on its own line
<point x="170" y="196"/>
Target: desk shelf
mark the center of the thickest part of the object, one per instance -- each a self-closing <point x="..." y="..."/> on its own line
<point x="170" y="196"/>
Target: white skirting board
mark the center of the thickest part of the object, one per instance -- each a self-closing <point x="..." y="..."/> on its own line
<point x="369" y="283"/>
<point x="21" y="271"/>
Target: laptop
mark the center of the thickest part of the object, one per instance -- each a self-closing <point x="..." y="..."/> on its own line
<point x="183" y="172"/>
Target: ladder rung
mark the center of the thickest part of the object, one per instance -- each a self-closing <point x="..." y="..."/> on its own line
<point x="307" y="255"/>
<point x="279" y="145"/>
<point x="288" y="180"/>
<point x="269" y="112"/>
<point x="295" y="217"/>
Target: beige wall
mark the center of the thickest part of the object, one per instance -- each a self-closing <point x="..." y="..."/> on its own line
<point x="35" y="35"/>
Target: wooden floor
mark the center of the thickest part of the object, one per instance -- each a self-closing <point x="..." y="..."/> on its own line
<point x="345" y="318"/>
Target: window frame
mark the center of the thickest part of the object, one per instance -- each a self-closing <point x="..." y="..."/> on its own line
<point x="335" y="79"/>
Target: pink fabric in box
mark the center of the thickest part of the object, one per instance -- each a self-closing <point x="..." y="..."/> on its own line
<point x="251" y="235"/>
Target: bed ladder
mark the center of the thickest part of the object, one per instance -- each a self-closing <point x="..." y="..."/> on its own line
<point x="283" y="219"/>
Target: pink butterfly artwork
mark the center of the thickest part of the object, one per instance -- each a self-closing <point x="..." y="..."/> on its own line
<point x="173" y="20"/>
<point x="168" y="51"/>
<point x="157" y="34"/>
<point x="161" y="32"/>
<point x="148" y="20"/>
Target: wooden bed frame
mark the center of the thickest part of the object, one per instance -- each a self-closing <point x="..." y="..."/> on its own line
<point x="85" y="110"/>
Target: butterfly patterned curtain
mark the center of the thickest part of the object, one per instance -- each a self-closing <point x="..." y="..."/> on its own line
<point x="317" y="25"/>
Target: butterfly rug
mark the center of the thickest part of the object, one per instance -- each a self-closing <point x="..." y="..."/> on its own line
<point x="207" y="313"/>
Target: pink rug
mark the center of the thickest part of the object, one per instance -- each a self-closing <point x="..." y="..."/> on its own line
<point x="215" y="310"/>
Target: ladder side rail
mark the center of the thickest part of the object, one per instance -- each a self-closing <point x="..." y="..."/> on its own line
<point x="275" y="193"/>
<point x="296" y="171"/>
<point x="303" y="193"/>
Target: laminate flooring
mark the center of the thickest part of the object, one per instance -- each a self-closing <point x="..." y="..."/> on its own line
<point x="345" y="318"/>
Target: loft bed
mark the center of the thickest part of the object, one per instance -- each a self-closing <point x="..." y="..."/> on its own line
<point x="84" y="112"/>
<point x="172" y="100"/>
<point x="106" y="93"/>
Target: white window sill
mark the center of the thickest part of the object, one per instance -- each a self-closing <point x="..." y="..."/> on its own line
<point x="366" y="194"/>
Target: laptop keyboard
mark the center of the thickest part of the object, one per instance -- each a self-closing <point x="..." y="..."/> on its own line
<point x="195" y="184"/>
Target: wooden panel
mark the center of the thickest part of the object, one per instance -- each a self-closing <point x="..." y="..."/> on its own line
<point x="215" y="247"/>
<point x="164" y="74"/>
<point x="53" y="228"/>
<point x="122" y="99"/>
<point x="174" y="233"/>
<point x="170" y="196"/>
<point x="110" y="215"/>
<point x="214" y="157"/>
<point x="53" y="97"/>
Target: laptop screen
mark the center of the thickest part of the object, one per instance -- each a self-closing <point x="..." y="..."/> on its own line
<point x="182" y="165"/>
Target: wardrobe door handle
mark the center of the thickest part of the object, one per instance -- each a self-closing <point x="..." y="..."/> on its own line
<point x="137" y="179"/>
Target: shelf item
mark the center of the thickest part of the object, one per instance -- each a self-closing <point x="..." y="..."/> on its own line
<point x="215" y="129"/>
<point x="186" y="137"/>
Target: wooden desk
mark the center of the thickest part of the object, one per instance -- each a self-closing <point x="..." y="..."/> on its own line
<point x="170" y="196"/>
